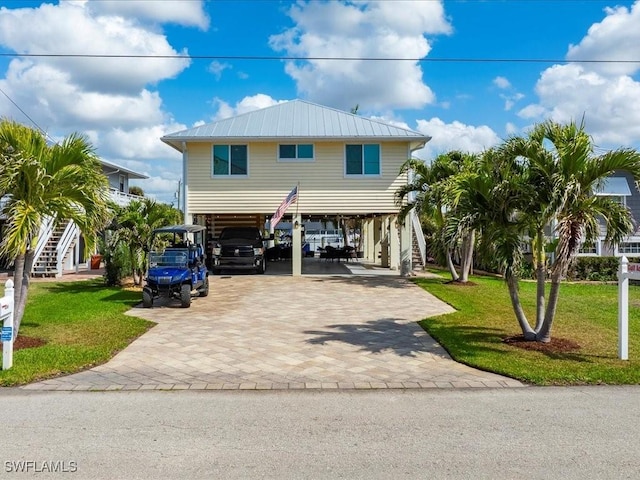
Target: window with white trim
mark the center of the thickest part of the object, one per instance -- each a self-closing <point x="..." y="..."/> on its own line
<point x="230" y="160"/>
<point x="588" y="249"/>
<point x="362" y="159"/>
<point x="629" y="248"/>
<point x="295" y="152"/>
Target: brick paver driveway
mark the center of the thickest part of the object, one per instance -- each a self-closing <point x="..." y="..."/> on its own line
<point x="268" y="332"/>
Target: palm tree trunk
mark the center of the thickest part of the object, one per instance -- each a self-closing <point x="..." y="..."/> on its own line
<point x="467" y="256"/>
<point x="451" y="267"/>
<point x="527" y="331"/>
<point x="540" y="278"/>
<point x="544" y="333"/>
<point x="22" y="271"/>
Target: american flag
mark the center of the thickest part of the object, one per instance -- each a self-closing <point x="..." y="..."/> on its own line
<point x="291" y="198"/>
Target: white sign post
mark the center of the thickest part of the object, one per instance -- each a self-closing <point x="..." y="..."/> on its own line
<point x="623" y="308"/>
<point x="6" y="316"/>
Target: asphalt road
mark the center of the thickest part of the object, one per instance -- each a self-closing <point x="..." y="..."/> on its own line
<point x="525" y="433"/>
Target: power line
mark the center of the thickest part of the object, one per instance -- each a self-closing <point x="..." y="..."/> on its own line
<point x="340" y="59"/>
<point x="27" y="115"/>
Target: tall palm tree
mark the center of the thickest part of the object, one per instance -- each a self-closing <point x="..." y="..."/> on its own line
<point x="491" y="199"/>
<point x="63" y="182"/>
<point x="575" y="174"/>
<point x="552" y="174"/>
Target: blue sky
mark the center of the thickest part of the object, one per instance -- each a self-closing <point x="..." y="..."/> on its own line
<point x="126" y="104"/>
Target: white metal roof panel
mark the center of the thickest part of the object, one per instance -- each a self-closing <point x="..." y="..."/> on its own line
<point x="295" y="119"/>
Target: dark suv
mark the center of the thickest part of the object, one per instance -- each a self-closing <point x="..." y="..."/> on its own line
<point x="239" y="248"/>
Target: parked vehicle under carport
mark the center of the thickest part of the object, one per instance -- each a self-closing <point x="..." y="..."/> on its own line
<point x="239" y="248"/>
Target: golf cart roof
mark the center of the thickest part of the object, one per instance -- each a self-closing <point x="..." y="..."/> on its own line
<point x="180" y="229"/>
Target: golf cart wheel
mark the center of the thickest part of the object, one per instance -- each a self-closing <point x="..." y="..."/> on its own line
<point x="147" y="298"/>
<point x="185" y="295"/>
<point x="204" y="290"/>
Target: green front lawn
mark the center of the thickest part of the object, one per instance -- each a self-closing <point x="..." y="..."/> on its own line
<point x="82" y="323"/>
<point x="587" y="314"/>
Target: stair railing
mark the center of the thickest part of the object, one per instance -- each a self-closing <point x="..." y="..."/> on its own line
<point x="46" y="229"/>
<point x="419" y="235"/>
<point x="66" y="241"/>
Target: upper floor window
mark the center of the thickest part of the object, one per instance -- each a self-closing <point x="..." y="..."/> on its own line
<point x="362" y="159"/>
<point x="292" y="152"/>
<point x="230" y="160"/>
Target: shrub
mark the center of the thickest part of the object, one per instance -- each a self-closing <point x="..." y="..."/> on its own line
<point x="601" y="269"/>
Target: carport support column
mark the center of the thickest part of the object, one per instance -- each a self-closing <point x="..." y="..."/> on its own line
<point x="394" y="243"/>
<point x="296" y="246"/>
<point x="184" y="195"/>
<point x="369" y="240"/>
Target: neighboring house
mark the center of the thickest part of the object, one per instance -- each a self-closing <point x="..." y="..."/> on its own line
<point x="62" y="249"/>
<point x="238" y="171"/>
<point x="620" y="187"/>
<point x="119" y="182"/>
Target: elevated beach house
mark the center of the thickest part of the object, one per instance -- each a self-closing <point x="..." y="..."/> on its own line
<point x="237" y="171"/>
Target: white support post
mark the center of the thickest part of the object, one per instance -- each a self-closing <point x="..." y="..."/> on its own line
<point x="623" y="309"/>
<point x="296" y="246"/>
<point x="6" y="314"/>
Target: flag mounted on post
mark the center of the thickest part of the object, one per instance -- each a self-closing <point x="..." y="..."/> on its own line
<point x="291" y="198"/>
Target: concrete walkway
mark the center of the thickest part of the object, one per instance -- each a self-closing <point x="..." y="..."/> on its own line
<point x="281" y="332"/>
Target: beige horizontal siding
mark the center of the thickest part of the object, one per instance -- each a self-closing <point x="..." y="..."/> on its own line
<point x="324" y="189"/>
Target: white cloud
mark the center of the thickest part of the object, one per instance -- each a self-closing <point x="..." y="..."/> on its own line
<point x="454" y="136"/>
<point x="52" y="99"/>
<point x="615" y="38"/>
<point x="187" y="13"/>
<point x="510" y="100"/>
<point x="247" y="104"/>
<point x="610" y="105"/>
<point x="502" y="82"/>
<point x="510" y="128"/>
<point x="365" y="29"/>
<point x="112" y="101"/>
<point x="141" y="143"/>
<point x="70" y="28"/>
<point x="216" y="68"/>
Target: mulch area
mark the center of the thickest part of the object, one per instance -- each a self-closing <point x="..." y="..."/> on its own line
<point x="556" y="345"/>
<point x="26" y="342"/>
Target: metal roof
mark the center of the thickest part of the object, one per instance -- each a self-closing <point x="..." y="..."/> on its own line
<point x="295" y="120"/>
<point x="119" y="168"/>
<point x="614" y="186"/>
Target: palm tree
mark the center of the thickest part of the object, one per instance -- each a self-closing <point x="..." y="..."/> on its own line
<point x="63" y="182"/>
<point x="134" y="225"/>
<point x="552" y="174"/>
<point x="575" y="174"/>
<point x="491" y="199"/>
<point x="429" y="184"/>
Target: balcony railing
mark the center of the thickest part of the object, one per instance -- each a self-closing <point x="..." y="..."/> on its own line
<point x="122" y="199"/>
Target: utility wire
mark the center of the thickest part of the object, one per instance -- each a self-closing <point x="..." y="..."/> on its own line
<point x="27" y="115"/>
<point x="340" y="59"/>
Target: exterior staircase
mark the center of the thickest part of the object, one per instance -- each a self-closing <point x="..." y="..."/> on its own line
<point x="416" y="256"/>
<point x="47" y="263"/>
<point x="418" y="244"/>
